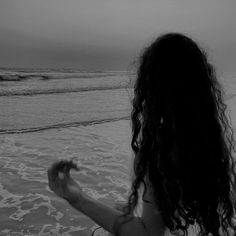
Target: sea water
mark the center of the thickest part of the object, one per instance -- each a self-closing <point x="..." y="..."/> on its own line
<point x="47" y="115"/>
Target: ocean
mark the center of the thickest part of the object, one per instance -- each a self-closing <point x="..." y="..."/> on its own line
<point x="47" y="115"/>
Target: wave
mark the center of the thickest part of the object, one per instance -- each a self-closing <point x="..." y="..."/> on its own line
<point x="55" y="70"/>
<point x="13" y="77"/>
<point x="62" y="125"/>
<point x="32" y="92"/>
<point x="17" y="77"/>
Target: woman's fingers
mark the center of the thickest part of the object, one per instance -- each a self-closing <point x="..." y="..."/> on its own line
<point x="54" y="169"/>
<point x="59" y="176"/>
<point x="59" y="166"/>
<point x="53" y="174"/>
<point x="68" y="166"/>
<point x="66" y="169"/>
<point x="74" y="166"/>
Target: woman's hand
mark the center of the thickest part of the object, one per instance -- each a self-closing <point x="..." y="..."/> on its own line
<point x="61" y="183"/>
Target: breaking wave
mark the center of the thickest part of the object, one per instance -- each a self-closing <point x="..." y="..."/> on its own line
<point x="62" y="125"/>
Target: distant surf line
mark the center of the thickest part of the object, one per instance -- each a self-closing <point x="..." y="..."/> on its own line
<point x="59" y="126"/>
<point x="59" y="76"/>
<point x="62" y="90"/>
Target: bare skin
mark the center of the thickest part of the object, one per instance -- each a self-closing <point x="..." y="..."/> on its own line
<point x="64" y="186"/>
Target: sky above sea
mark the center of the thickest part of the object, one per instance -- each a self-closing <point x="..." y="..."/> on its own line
<point x="110" y="34"/>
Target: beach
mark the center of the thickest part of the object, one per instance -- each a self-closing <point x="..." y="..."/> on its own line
<point x="50" y="115"/>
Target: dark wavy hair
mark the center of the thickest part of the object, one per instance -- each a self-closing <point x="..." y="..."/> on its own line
<point x="182" y="139"/>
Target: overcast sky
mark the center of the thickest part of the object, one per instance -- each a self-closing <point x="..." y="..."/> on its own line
<point x="109" y="34"/>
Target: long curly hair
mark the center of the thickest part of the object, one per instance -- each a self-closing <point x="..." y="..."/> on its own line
<point x="182" y="139"/>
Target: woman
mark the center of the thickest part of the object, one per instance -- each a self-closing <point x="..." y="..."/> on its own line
<point x="183" y="145"/>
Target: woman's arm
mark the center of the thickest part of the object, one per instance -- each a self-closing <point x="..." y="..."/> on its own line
<point x="150" y="223"/>
<point x="106" y="216"/>
<point x="61" y="183"/>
